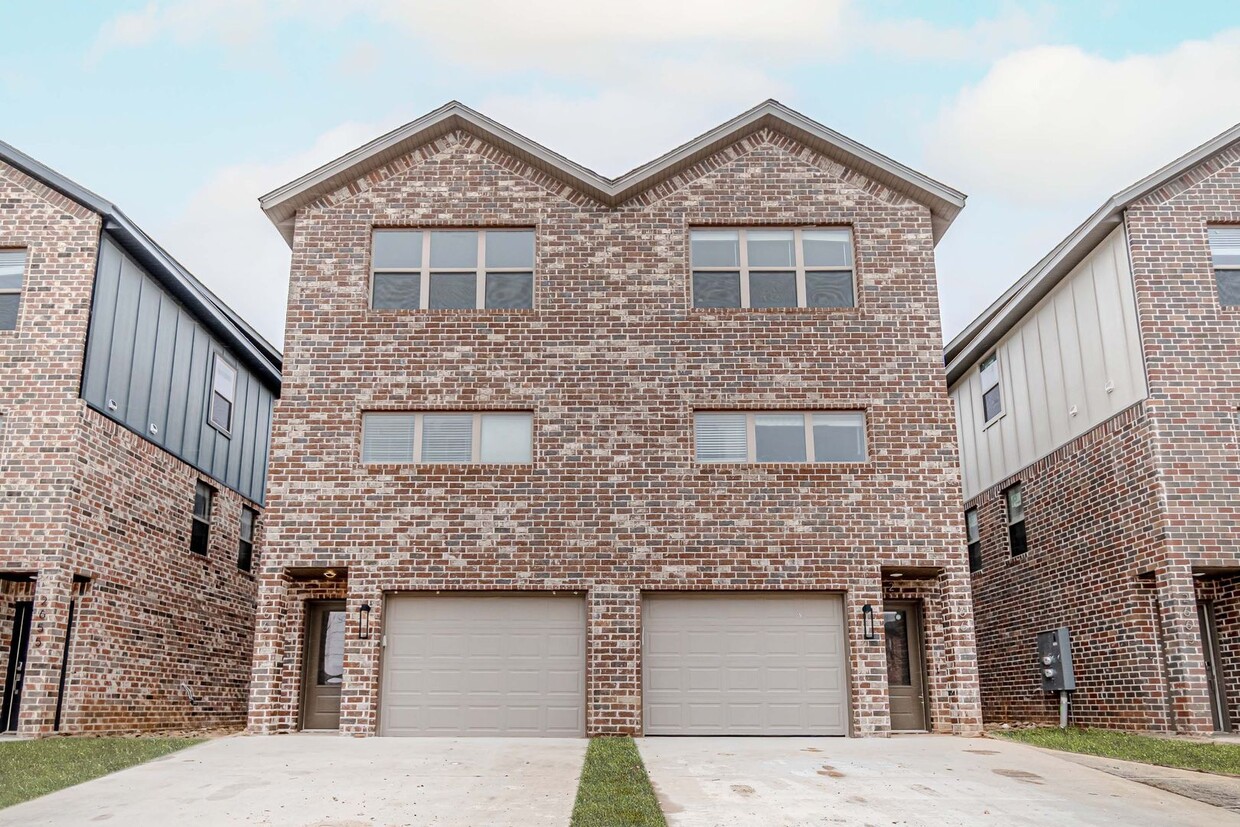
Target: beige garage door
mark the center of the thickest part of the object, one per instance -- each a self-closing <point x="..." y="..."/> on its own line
<point x="744" y="664"/>
<point x="502" y="664"/>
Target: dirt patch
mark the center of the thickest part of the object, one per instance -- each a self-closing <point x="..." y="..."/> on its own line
<point x="1020" y="775"/>
<point x="830" y="771"/>
<point x="983" y="751"/>
<point x="811" y="749"/>
<point x="743" y="789"/>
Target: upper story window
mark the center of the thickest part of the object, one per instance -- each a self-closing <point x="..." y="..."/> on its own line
<point x="1016" y="520"/>
<point x="992" y="398"/>
<point x="1225" y="255"/>
<point x="12" y="267"/>
<point x="762" y="268"/>
<point x="452" y="269"/>
<point x="223" y="394"/>
<point x="973" y="534"/>
<point x="204" y="500"/>
<point x="779" y="436"/>
<point x="245" y="543"/>
<point x="447" y="437"/>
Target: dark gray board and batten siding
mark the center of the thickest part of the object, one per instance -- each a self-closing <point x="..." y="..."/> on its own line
<point x="148" y="366"/>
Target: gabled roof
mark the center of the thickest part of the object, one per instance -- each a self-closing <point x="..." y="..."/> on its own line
<point x="281" y="204"/>
<point x="260" y="355"/>
<point x="972" y="343"/>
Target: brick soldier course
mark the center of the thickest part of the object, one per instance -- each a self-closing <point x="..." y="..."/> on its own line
<point x="613" y="360"/>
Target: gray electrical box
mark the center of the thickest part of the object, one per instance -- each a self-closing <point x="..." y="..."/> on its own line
<point x="1055" y="660"/>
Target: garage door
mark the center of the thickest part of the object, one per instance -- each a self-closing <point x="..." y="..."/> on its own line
<point x="501" y="664"/>
<point x="745" y="664"/>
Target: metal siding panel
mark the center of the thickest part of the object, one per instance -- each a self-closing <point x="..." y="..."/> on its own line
<point x="149" y="302"/>
<point x="263" y="447"/>
<point x="102" y="323"/>
<point x="195" y="408"/>
<point x="161" y="369"/>
<point x="125" y="323"/>
<point x="1038" y="413"/>
<point x="182" y="352"/>
<point x="1089" y="337"/>
<point x="1018" y="423"/>
<point x="1052" y="365"/>
<point x="1128" y="302"/>
<point x="236" y="445"/>
<point x="1118" y="358"/>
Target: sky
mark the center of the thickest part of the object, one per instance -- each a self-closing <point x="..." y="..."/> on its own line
<point x="184" y="112"/>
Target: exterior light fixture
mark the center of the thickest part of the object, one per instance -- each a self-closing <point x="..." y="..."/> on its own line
<point x="330" y="574"/>
<point x="867" y="621"/>
<point x="363" y="622"/>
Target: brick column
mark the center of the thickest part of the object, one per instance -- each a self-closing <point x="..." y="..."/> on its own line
<point x="359" y="693"/>
<point x="871" y="706"/>
<point x="613" y="665"/>
<point x="960" y="648"/>
<point x="1186" y="668"/>
<point x="44" y="656"/>
<point x="267" y="705"/>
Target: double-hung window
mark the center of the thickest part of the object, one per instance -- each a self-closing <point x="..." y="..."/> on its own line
<point x="779" y="436"/>
<point x="992" y="397"/>
<point x="1225" y="256"/>
<point x="1017" y="538"/>
<point x="447" y="437"/>
<point x="204" y="499"/>
<point x="223" y="394"/>
<point x="974" y="535"/>
<point x="452" y="269"/>
<point x="245" y="543"/>
<point x="766" y="268"/>
<point x="12" y="267"/>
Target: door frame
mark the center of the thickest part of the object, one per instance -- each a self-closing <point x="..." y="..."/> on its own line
<point x="19" y="650"/>
<point x="914" y="612"/>
<point x="310" y="650"/>
<point x="1216" y="684"/>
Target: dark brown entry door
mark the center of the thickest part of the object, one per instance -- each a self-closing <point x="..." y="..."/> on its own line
<point x="15" y="676"/>
<point x="1214" y="674"/>
<point x="905" y="677"/>
<point x="324" y="665"/>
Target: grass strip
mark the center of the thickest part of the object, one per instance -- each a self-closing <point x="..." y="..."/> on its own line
<point x="1128" y="746"/>
<point x="614" y="790"/>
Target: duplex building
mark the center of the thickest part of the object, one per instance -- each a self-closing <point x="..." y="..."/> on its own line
<point x="560" y="454"/>
<point x="1097" y="404"/>
<point x="134" y="423"/>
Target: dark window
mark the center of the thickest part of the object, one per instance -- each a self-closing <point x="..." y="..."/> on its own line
<point x="1016" y="520"/>
<point x="245" y="546"/>
<point x="992" y="400"/>
<point x="204" y="497"/>
<point x="1225" y="256"/>
<point x="223" y="395"/>
<point x="12" y="266"/>
<point x="973" y="532"/>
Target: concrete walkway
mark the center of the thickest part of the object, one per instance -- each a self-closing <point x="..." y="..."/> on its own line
<point x="904" y="780"/>
<point x="328" y="780"/>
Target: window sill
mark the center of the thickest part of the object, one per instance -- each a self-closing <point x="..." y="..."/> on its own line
<point x="989" y="423"/>
<point x="835" y="467"/>
<point x="793" y="311"/>
<point x="451" y="311"/>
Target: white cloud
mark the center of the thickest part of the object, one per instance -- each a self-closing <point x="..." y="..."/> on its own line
<point x="1055" y="123"/>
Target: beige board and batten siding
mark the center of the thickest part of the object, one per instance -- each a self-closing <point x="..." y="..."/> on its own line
<point x="1068" y="365"/>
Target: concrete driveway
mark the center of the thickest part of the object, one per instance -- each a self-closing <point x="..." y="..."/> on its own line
<point x="328" y="780"/>
<point x="904" y="780"/>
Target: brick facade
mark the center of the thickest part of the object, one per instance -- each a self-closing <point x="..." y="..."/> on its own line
<point x="612" y="362"/>
<point x="97" y="517"/>
<point x="1131" y="524"/>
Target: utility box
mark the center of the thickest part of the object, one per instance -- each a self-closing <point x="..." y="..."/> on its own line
<point x="1055" y="660"/>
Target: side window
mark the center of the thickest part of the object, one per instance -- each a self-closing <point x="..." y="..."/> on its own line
<point x="765" y="268"/>
<point x="223" y="395"/>
<point x="245" y="545"/>
<point x="974" y="535"/>
<point x="452" y="269"/>
<point x="12" y="268"/>
<point x="204" y="500"/>
<point x="447" y="437"/>
<point x="992" y="399"/>
<point x="1225" y="256"/>
<point x="779" y="436"/>
<point x="1017" y="539"/>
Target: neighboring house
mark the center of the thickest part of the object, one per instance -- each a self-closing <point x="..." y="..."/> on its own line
<point x="561" y="455"/>
<point x="1097" y="405"/>
<point x="134" y="424"/>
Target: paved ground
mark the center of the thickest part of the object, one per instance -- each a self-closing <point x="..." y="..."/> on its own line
<point x="327" y="780"/>
<point x="904" y="780"/>
<point x="1219" y="790"/>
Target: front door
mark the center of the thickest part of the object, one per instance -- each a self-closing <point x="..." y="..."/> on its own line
<point x="14" y="677"/>
<point x="324" y="665"/>
<point x="905" y="677"/>
<point x="1214" y="674"/>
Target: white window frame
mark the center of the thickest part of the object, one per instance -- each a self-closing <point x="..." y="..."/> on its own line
<point x="475" y="436"/>
<point x="798" y="267"/>
<point x="16" y="291"/>
<point x="216" y="361"/>
<point x="479" y="271"/>
<point x="751" y="442"/>
<point x="1217" y="268"/>
<point x="981" y="369"/>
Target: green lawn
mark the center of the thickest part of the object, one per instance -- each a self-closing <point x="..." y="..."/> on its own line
<point x="29" y="769"/>
<point x="614" y="789"/>
<point x="1164" y="752"/>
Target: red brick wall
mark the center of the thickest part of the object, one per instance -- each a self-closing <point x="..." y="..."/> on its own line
<point x="613" y="361"/>
<point x="1224" y="593"/>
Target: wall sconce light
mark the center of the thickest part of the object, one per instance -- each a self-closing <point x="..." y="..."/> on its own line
<point x="867" y="621"/>
<point x="363" y="622"/>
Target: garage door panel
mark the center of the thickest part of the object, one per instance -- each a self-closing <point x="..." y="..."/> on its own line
<point x="744" y="664"/>
<point x="484" y="665"/>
